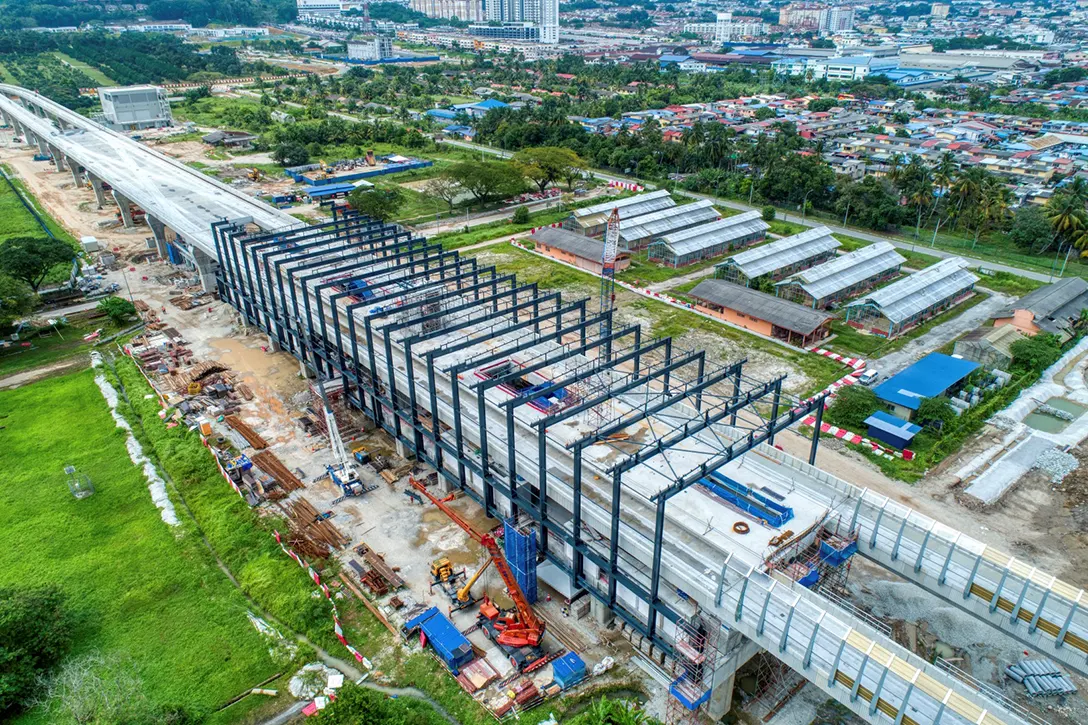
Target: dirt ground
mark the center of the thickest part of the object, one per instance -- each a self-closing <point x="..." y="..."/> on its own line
<point x="1042" y="523"/>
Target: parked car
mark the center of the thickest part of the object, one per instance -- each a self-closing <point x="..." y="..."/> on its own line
<point x="868" y="377"/>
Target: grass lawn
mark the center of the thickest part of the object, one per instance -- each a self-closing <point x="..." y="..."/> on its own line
<point x="140" y="589"/>
<point x="94" y="73"/>
<point x="851" y="342"/>
<point x="785" y="228"/>
<point x="1009" y="283"/>
<point x="53" y="346"/>
<point x="642" y="269"/>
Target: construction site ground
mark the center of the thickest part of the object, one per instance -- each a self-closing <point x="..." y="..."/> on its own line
<point x="1036" y="520"/>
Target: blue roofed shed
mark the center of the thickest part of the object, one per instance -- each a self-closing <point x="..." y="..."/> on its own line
<point x="896" y="432"/>
<point x="442" y="113"/>
<point x="932" y="376"/>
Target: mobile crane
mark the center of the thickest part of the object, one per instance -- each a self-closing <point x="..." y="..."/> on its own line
<point x="517" y="632"/>
<point x="343" y="473"/>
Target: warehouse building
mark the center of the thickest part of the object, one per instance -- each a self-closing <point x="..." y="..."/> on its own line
<point x="902" y="305"/>
<point x="780" y="259"/>
<point x="583" y="252"/>
<point x="842" y="277"/>
<point x="591" y="221"/>
<point x="1055" y="309"/>
<point x="934" y="376"/>
<point x="761" y="313"/>
<point x="639" y="231"/>
<point x="707" y="241"/>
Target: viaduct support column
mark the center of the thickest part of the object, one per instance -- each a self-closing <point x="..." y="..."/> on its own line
<point x="126" y="211"/>
<point x="77" y="175"/>
<point x="58" y="158"/>
<point x="206" y="267"/>
<point x="43" y="147"/>
<point x="99" y="194"/>
<point x="158" y="231"/>
<point x="734" y="651"/>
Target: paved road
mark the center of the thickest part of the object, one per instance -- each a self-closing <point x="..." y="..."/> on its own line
<point x="836" y="228"/>
<point x="939" y="336"/>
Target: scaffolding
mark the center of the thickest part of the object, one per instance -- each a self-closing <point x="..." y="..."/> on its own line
<point x="693" y="665"/>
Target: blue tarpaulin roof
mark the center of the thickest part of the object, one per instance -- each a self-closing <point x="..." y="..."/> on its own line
<point x="316" y="192"/>
<point x="888" y="423"/>
<point x="927" y="378"/>
<point x="452" y="646"/>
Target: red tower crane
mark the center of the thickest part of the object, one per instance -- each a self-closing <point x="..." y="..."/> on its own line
<point x="518" y="628"/>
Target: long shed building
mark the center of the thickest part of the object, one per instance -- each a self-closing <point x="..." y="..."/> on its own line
<point x="707" y="241"/>
<point x="591" y="221"/>
<point x="583" y="252"/>
<point x="842" y="277"/>
<point x="760" y="312"/>
<point x="639" y="231"/>
<point x="891" y="310"/>
<point x="779" y="259"/>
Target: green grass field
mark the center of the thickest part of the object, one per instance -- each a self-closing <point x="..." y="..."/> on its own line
<point x="53" y="345"/>
<point x="851" y="342"/>
<point x="94" y="73"/>
<point x="140" y="589"/>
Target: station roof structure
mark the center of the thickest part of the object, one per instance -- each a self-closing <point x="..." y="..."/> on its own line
<point x="776" y="255"/>
<point x="920" y="291"/>
<point x="843" y="272"/>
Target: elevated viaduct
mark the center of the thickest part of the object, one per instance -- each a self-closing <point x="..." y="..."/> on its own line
<point x="635" y="460"/>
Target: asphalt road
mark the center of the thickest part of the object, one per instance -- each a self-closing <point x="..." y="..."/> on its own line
<point x="836" y="228"/>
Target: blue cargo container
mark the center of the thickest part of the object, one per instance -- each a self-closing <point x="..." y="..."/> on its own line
<point x="520" y="552"/>
<point x="568" y="670"/>
<point x="452" y="646"/>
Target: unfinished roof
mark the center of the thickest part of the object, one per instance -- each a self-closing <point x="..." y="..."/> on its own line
<point x="667" y="220"/>
<point x="846" y="271"/>
<point x="780" y="312"/>
<point x="631" y="206"/>
<point x="722" y="231"/>
<point x="577" y="244"/>
<point x="1054" y="307"/>
<point x="776" y="255"/>
<point x="1000" y="338"/>
<point x="934" y="284"/>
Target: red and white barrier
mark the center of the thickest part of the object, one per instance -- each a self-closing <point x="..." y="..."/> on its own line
<point x="858" y="440"/>
<point x="556" y="225"/>
<point x="626" y="186"/>
<point x="855" y="362"/>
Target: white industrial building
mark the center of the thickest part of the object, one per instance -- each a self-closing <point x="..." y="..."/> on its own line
<point x="376" y="48"/>
<point x="131" y="108"/>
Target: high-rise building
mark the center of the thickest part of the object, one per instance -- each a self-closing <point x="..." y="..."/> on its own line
<point x="840" y="19"/>
<point x="468" y="10"/>
<point x="542" y="13"/>
<point x="729" y="27"/>
<point x="803" y="16"/>
<point x="939" y="10"/>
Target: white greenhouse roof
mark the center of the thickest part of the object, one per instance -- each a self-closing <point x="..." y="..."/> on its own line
<point x="920" y="291"/>
<point x="776" y="255"/>
<point x="664" y="221"/>
<point x="687" y="241"/>
<point x="850" y="269"/>
<point x="630" y="206"/>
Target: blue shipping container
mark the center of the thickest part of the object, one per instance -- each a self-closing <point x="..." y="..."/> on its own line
<point x="452" y="646"/>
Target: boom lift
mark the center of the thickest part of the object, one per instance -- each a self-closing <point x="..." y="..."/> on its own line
<point x="517" y="632"/>
<point x="343" y="472"/>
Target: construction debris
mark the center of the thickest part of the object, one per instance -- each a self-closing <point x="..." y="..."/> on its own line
<point x="1056" y="464"/>
<point x="1042" y="678"/>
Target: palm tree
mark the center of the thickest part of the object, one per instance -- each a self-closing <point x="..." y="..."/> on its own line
<point x="993" y="206"/>
<point x="967" y="187"/>
<point x="895" y="161"/>
<point x="1067" y="215"/>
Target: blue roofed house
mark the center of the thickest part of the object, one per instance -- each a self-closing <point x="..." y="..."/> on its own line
<point x="893" y="431"/>
<point x="444" y="114"/>
<point x="477" y="110"/>
<point x="933" y="376"/>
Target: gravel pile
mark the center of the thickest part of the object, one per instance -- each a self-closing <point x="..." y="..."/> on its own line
<point x="1056" y="464"/>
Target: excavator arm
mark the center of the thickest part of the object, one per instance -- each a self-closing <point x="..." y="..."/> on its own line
<point x="463" y="594"/>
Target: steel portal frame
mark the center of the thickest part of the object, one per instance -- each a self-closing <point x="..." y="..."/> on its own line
<point x="260" y="276"/>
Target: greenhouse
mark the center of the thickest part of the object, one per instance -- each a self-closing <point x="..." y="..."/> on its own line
<point x="898" y="307"/>
<point x="707" y="241"/>
<point x="780" y="259"/>
<point x="639" y="231"/>
<point x="591" y="221"/>
<point x="842" y="277"/>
